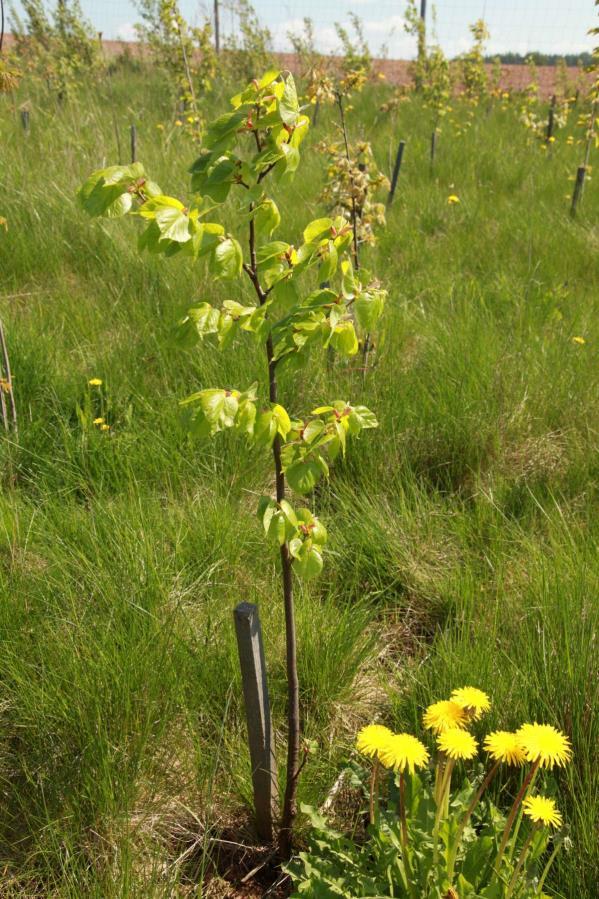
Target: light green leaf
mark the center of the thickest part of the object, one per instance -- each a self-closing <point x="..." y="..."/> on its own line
<point x="317" y="230"/>
<point x="369" y="307"/>
<point x="282" y="419"/>
<point x="288" y="104"/>
<point x="344" y="339"/>
<point x="309" y="565"/>
<point x="173" y="224"/>
<point x="227" y="259"/>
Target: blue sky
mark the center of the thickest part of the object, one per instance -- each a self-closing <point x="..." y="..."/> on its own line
<point x="521" y="25"/>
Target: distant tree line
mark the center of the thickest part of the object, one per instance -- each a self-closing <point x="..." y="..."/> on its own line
<point x="542" y="59"/>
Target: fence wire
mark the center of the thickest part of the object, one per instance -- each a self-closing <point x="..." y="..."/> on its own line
<point x="519" y="26"/>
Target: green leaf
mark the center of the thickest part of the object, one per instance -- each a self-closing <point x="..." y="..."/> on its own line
<point x="227" y="260"/>
<point x="313" y="430"/>
<point x="369" y="307"/>
<point x="348" y="281"/>
<point x="328" y="265"/>
<point x="289" y="512"/>
<point x="267" y="217"/>
<point x="265" y="429"/>
<point x="206" y="236"/>
<point x="173" y="225"/>
<point x="282" y="420"/>
<point x="223" y="131"/>
<point x="271" y="254"/>
<point x="309" y="564"/>
<point x="291" y="159"/>
<point x="288" y="104"/>
<point x="344" y="339"/>
<point x="317" y="230"/>
<point x="199" y="321"/>
<point x="108" y="192"/>
<point x="304" y="475"/>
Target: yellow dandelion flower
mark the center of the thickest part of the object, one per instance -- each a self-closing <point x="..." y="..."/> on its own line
<point x="551" y="139"/>
<point x="542" y="810"/>
<point x="504" y="746"/>
<point x="372" y="738"/>
<point x="453" y="199"/>
<point x="472" y="700"/>
<point x="98" y="421"/>
<point x="457" y="744"/>
<point x="95" y="382"/>
<point x="579" y="340"/>
<point x="104" y="427"/>
<point x="544" y="744"/>
<point x="403" y="751"/>
<point x="444" y="715"/>
<point x="178" y="123"/>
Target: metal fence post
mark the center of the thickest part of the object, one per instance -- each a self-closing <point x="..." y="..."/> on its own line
<point x="396" y="170"/>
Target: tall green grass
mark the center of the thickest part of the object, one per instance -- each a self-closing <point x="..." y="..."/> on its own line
<point x="463" y="533"/>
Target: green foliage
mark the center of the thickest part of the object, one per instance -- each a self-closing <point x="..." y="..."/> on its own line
<point x="430" y="70"/>
<point x="352" y="186"/>
<point x="425" y="840"/>
<point x="357" y="58"/>
<point x="266" y="112"/>
<point x="248" y="48"/>
<point x="373" y="864"/>
<point x="414" y="25"/>
<point x="60" y="49"/>
<point x="462" y="538"/>
<point x="185" y="53"/>
<point x="473" y="72"/>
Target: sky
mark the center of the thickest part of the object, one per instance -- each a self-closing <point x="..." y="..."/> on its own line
<point x="550" y="26"/>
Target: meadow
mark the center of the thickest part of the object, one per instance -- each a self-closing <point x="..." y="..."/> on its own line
<point x="463" y="533"/>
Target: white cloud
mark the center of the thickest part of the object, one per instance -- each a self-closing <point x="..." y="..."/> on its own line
<point x="387" y="31"/>
<point x="126" y="32"/>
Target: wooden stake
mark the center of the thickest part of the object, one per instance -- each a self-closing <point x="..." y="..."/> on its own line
<point x="578" y="186"/>
<point x="25" y="120"/>
<point x="550" y="120"/>
<point x="257" y="710"/>
<point x="133" y="133"/>
<point x="433" y="148"/>
<point x="396" y="170"/>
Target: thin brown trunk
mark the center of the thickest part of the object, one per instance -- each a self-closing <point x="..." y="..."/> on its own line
<point x="289" y="809"/>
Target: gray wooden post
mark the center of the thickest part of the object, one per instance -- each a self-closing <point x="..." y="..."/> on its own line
<point x="133" y="133"/>
<point x="25" y="120"/>
<point x="396" y="170"/>
<point x="433" y="148"/>
<point x="578" y="186"/>
<point x="216" y="27"/>
<point x="257" y="710"/>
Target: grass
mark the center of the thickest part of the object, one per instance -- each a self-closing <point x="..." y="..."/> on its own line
<point x="463" y="534"/>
